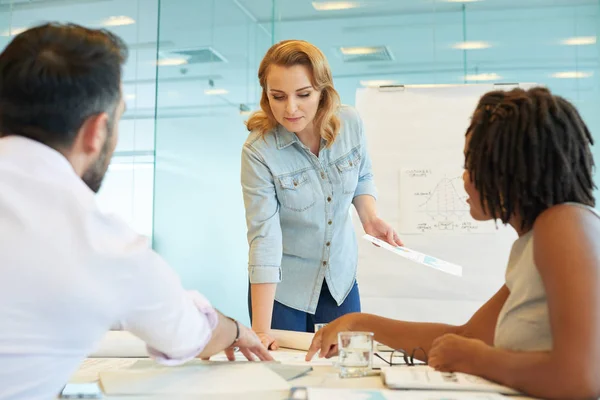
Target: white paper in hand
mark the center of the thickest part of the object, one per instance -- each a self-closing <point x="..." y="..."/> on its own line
<point x="415" y="256"/>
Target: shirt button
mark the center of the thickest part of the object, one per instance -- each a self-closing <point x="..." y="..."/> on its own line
<point x="330" y="222"/>
<point x="322" y="175"/>
<point x="329" y="199"/>
<point x="328" y="244"/>
<point x="324" y="263"/>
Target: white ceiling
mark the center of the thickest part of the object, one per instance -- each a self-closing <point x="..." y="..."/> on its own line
<point x="289" y="10"/>
<point x="524" y="36"/>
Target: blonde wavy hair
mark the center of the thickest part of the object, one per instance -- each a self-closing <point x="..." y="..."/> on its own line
<point x="289" y="53"/>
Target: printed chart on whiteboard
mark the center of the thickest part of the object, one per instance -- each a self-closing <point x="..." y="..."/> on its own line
<point x="433" y="200"/>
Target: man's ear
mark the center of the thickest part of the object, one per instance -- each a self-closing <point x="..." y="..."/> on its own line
<point x="93" y="133"/>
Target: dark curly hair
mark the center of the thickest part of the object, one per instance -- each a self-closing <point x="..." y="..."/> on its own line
<point x="528" y="151"/>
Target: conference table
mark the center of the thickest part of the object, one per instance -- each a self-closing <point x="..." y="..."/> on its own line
<point x="324" y="375"/>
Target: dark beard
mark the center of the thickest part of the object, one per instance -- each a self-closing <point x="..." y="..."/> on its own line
<point x="94" y="176"/>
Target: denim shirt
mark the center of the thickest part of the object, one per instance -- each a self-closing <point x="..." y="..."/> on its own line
<point x="297" y="211"/>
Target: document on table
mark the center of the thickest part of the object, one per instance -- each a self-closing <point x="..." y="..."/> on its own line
<point x="222" y="378"/>
<point x="285" y="357"/>
<point x="286" y="371"/>
<point x="426" y="378"/>
<point x="299" y="358"/>
<point x="418" y="257"/>
<point x="358" y="394"/>
<point x="90" y="368"/>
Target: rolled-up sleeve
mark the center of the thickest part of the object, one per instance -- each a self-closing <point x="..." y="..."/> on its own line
<point x="366" y="184"/>
<point x="262" y="219"/>
<point x="204" y="307"/>
<point x="175" y="324"/>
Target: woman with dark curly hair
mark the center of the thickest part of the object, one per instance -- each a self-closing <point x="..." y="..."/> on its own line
<point x="528" y="164"/>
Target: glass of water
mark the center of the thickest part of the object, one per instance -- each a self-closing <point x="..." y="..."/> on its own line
<point x="355" y="353"/>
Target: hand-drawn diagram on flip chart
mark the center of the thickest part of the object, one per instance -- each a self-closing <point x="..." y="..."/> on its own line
<point x="433" y="200"/>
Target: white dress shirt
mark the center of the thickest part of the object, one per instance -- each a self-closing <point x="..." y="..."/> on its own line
<point x="68" y="272"/>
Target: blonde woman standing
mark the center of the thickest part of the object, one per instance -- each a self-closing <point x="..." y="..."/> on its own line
<point x="304" y="164"/>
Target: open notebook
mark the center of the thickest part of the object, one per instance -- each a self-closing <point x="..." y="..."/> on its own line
<point x="194" y="379"/>
<point x="426" y="378"/>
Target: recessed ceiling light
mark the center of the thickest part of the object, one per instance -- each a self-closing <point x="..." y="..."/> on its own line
<point x="572" y="75"/>
<point x="164" y="62"/>
<point x="475" y="45"/>
<point x="483" y="77"/>
<point x="378" y="82"/>
<point x="118" y="20"/>
<point x="579" y="41"/>
<point x="356" y="51"/>
<point x="212" y="92"/>
<point x="335" y="5"/>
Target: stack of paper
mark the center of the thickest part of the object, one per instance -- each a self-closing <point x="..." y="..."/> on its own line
<point x="195" y="380"/>
<point x="285" y="357"/>
<point x="299" y="358"/>
<point x="286" y="371"/>
<point x="91" y="368"/>
<point x="368" y="394"/>
<point x="426" y="378"/>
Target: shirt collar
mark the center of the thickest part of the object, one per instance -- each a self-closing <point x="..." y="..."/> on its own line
<point x="34" y="153"/>
<point x="284" y="137"/>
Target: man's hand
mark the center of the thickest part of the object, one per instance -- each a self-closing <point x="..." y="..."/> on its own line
<point x="250" y="345"/>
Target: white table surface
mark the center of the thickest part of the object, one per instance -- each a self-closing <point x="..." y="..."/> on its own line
<point x="322" y="376"/>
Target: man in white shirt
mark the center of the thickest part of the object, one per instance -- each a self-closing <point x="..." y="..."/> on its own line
<point x="68" y="272"/>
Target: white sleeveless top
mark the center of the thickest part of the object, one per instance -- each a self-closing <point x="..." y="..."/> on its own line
<point x="524" y="322"/>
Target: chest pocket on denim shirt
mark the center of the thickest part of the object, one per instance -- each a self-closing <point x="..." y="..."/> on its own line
<point x="296" y="192"/>
<point x="348" y="167"/>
